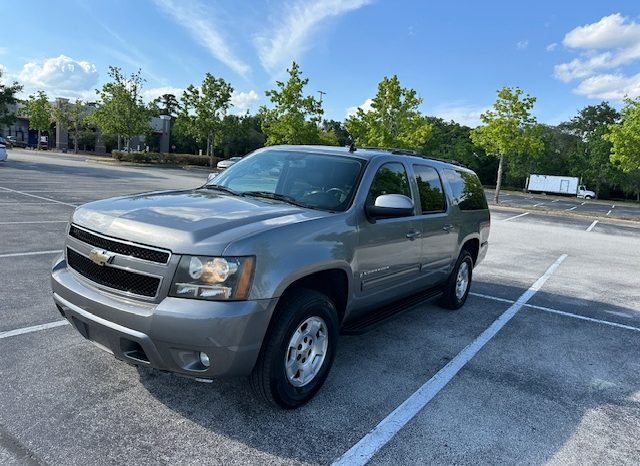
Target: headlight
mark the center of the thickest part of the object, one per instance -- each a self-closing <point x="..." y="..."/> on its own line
<point x="213" y="278"/>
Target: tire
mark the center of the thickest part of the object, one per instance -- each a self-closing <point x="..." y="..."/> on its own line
<point x="455" y="296"/>
<point x="588" y="197"/>
<point x="290" y="388"/>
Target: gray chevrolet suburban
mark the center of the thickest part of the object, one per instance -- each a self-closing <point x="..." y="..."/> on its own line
<point x="258" y="271"/>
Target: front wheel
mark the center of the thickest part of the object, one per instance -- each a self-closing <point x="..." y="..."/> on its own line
<point x="588" y="197"/>
<point x="298" y="350"/>
<point x="456" y="288"/>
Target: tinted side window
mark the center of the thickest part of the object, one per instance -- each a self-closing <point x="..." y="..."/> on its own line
<point x="467" y="190"/>
<point x="430" y="189"/>
<point x="391" y="178"/>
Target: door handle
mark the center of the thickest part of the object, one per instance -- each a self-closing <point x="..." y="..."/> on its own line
<point x="413" y="234"/>
<point x="448" y="227"/>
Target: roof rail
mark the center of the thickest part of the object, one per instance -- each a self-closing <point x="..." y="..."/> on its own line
<point x="413" y="153"/>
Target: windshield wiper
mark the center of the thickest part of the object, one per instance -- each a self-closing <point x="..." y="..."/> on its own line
<point x="218" y="187"/>
<point x="277" y="197"/>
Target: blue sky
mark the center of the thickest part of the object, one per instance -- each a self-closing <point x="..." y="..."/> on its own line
<point x="455" y="54"/>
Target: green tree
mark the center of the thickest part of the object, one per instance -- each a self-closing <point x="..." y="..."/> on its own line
<point x="38" y="109"/>
<point x="508" y="129"/>
<point x="166" y="104"/>
<point x="71" y="116"/>
<point x="120" y="110"/>
<point x="590" y="159"/>
<point x="393" y="121"/>
<point x="203" y="110"/>
<point x="241" y="134"/>
<point x="625" y="137"/>
<point x="7" y="99"/>
<point x="337" y="128"/>
<point x="294" y="118"/>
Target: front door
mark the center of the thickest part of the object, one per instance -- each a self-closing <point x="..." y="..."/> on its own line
<point x="389" y="250"/>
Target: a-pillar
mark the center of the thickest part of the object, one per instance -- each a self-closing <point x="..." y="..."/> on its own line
<point x="62" y="132"/>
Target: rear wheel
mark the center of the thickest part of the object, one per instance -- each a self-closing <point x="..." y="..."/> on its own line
<point x="456" y="289"/>
<point x="298" y="351"/>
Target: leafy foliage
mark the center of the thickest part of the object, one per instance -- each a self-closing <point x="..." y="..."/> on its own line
<point x="393" y="121"/>
<point x="8" y="97"/>
<point x="203" y="109"/>
<point x="120" y="109"/>
<point x="166" y="104"/>
<point x="71" y="116"/>
<point x="294" y="118"/>
<point x="625" y="137"/>
<point x="38" y="109"/>
<point x="509" y="128"/>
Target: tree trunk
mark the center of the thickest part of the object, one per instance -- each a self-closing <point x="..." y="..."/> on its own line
<point x="75" y="142"/>
<point x="209" y="151"/>
<point x="496" y="198"/>
<point x="129" y="145"/>
<point x="38" y="141"/>
<point x="119" y="146"/>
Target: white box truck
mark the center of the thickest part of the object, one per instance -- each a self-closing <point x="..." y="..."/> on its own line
<point x="558" y="185"/>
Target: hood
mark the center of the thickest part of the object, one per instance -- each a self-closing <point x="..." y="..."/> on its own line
<point x="187" y="222"/>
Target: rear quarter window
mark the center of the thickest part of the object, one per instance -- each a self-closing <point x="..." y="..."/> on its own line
<point x="466" y="190"/>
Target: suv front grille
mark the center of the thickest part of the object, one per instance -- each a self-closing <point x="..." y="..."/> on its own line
<point x="126" y="249"/>
<point x="118" y="279"/>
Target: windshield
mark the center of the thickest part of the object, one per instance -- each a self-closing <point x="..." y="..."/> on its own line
<point x="319" y="181"/>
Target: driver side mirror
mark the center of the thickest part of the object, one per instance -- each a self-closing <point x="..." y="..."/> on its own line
<point x="390" y="206"/>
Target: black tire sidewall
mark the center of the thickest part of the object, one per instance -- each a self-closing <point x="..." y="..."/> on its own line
<point x="284" y="393"/>
<point x="450" y="300"/>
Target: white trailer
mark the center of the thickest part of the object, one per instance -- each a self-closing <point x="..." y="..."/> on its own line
<point x="558" y="185"/>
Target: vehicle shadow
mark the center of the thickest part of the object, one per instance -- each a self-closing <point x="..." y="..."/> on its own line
<point x="542" y="363"/>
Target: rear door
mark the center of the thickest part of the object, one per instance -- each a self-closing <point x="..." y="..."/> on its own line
<point x="439" y="234"/>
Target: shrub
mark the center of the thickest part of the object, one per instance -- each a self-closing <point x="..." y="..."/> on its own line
<point x="163" y="159"/>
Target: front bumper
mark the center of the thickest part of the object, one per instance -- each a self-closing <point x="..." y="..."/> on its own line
<point x="168" y="335"/>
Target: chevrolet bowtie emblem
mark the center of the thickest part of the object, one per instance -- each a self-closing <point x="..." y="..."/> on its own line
<point x="101" y="257"/>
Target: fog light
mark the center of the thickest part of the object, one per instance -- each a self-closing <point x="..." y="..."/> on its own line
<point x="204" y="360"/>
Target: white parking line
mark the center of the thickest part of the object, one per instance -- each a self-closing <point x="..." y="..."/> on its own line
<point x="608" y="212"/>
<point x="583" y="203"/>
<point x="370" y="444"/>
<point x="555" y="200"/>
<point x="562" y="313"/>
<point x="595" y="222"/>
<point x="34" y="328"/>
<point x="34" y="253"/>
<point x="517" y="216"/>
<point x="38" y="197"/>
<point x="36" y="221"/>
<point x="574" y="207"/>
<point x="536" y="205"/>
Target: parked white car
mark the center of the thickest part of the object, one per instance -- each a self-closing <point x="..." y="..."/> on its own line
<point x="3" y="150"/>
<point x="224" y="164"/>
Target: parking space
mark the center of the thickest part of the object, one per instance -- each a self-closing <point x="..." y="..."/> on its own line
<point x="559" y="204"/>
<point x="542" y="360"/>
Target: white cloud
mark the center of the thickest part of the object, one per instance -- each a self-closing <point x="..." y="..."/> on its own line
<point x="60" y="77"/>
<point x="200" y="25"/>
<point x="243" y="101"/>
<point x="289" y="36"/>
<point x="523" y="44"/>
<point x="609" y="86"/>
<point x="611" y="31"/>
<point x="607" y="45"/>
<point x="464" y="114"/>
<point x="154" y="92"/>
<point x="552" y="46"/>
<point x="365" y="106"/>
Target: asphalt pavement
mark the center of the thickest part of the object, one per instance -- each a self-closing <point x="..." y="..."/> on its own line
<point x="568" y="205"/>
<point x="540" y="366"/>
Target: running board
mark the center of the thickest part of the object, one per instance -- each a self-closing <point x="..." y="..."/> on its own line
<point x="381" y="315"/>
